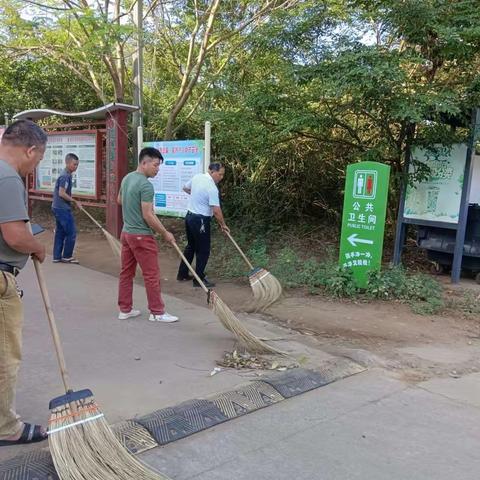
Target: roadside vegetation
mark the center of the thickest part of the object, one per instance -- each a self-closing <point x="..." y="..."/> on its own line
<point x="301" y="268"/>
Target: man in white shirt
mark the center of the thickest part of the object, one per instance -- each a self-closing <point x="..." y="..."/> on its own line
<point x="204" y="202"/>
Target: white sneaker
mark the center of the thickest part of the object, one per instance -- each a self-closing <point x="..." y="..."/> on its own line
<point x="132" y="313"/>
<point x="166" y="318"/>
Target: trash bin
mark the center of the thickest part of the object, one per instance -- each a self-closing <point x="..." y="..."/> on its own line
<point x="440" y="244"/>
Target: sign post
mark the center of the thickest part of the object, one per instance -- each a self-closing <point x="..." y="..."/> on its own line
<point x="363" y="220"/>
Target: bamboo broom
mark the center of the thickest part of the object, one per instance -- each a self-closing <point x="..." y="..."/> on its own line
<point x="82" y="444"/>
<point x="227" y="317"/>
<point x="115" y="245"/>
<point x="265" y="287"/>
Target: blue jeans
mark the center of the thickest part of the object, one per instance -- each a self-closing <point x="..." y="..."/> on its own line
<point x="65" y="234"/>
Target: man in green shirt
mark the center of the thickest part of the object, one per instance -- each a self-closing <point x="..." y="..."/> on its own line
<point x="138" y="241"/>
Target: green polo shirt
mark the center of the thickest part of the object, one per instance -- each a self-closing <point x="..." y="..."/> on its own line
<point x="134" y="190"/>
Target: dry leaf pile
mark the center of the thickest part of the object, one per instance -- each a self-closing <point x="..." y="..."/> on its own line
<point x="250" y="361"/>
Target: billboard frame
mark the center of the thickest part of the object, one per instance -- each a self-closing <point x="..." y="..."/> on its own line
<point x="461" y="225"/>
<point x="36" y="193"/>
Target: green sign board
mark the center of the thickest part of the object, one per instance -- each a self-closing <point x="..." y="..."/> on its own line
<point x="437" y="198"/>
<point x="363" y="221"/>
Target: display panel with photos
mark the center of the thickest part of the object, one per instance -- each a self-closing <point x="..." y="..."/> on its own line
<point x="84" y="145"/>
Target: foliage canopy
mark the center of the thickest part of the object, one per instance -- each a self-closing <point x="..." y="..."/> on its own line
<point x="295" y="89"/>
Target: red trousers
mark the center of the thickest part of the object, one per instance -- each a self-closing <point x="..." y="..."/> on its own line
<point x="141" y="249"/>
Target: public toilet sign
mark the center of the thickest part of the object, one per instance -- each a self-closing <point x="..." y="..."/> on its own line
<point x="363" y="220"/>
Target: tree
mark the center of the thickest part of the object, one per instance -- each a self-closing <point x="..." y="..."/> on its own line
<point x="93" y="40"/>
<point x="90" y="40"/>
<point x="196" y="39"/>
<point x="339" y="93"/>
<point x="27" y="83"/>
<point x="296" y="89"/>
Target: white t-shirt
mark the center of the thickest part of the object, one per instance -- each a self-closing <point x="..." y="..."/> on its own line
<point x="203" y="194"/>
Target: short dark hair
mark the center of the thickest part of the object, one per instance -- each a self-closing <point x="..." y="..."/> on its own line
<point x="24" y="133"/>
<point x="71" y="157"/>
<point x="216" y="166"/>
<point x="149" y="152"/>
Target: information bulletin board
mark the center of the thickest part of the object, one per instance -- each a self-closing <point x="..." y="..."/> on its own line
<point x="182" y="160"/>
<point x="85" y="146"/>
<point x="437" y="198"/>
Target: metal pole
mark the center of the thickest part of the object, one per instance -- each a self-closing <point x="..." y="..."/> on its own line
<point x="463" y="215"/>
<point x="208" y="140"/>
<point x="139" y="138"/>
<point x="401" y="228"/>
<point x="138" y="79"/>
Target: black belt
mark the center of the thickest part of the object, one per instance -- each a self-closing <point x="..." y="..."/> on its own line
<point x="5" y="267"/>
<point x="197" y="215"/>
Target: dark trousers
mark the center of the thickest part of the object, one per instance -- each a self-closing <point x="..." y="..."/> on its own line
<point x="65" y="234"/>
<point x="198" y="246"/>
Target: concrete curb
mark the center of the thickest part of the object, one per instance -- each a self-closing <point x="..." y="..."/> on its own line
<point x="173" y="423"/>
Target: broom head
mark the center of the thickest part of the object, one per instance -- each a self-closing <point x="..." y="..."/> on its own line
<point x="84" y="447"/>
<point x="266" y="288"/>
<point x="232" y="323"/>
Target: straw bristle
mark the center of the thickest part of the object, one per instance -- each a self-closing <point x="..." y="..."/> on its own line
<point x="90" y="450"/>
<point x="114" y="243"/>
<point x="266" y="289"/>
<point x="232" y="323"/>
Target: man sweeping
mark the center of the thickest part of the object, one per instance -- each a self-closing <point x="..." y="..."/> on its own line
<point x="65" y="229"/>
<point x="204" y="202"/>
<point x="21" y="149"/>
<point x="138" y="241"/>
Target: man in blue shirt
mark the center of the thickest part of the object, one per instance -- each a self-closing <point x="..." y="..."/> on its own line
<point x="65" y="230"/>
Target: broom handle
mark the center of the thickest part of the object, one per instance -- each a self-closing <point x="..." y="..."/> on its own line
<point x="240" y="251"/>
<point x="90" y="217"/>
<point x="53" y="324"/>
<point x="192" y="271"/>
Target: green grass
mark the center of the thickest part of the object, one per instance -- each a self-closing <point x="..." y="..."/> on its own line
<point x="324" y="276"/>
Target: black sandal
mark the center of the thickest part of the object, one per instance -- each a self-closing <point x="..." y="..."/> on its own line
<point x="30" y="434"/>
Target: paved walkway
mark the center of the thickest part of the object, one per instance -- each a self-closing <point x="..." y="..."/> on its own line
<point x="135" y="366"/>
<point x="370" y="426"/>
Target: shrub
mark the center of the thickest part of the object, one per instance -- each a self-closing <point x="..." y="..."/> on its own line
<point x="421" y="292"/>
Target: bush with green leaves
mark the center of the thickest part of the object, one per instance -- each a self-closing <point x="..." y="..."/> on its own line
<point x="340" y="283"/>
<point x="422" y="292"/>
<point x="292" y="271"/>
<point x="390" y="283"/>
<point x="229" y="263"/>
<point x="288" y="268"/>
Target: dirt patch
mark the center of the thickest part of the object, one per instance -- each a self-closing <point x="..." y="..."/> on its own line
<point x="385" y="334"/>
